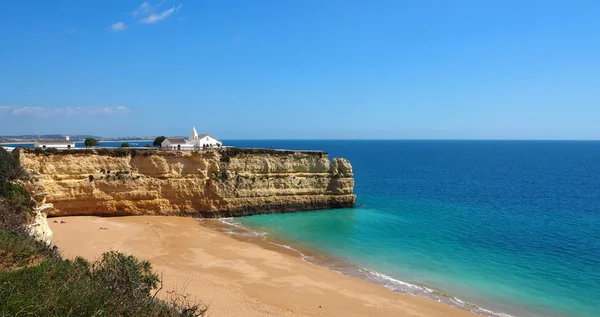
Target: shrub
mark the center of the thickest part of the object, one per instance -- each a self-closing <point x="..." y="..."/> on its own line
<point x="225" y="157"/>
<point x="15" y="201"/>
<point x="233" y="152"/>
<point x="12" y="218"/>
<point x="115" y="285"/>
<point x="38" y="151"/>
<point x="144" y="152"/>
<point x="15" y="194"/>
<point x="51" y="150"/>
<point x="222" y="176"/>
<point x="121" y="152"/>
<point x="90" y="142"/>
<point x="118" y="152"/>
<point x="10" y="168"/>
<point x="125" y="144"/>
<point x="158" y="140"/>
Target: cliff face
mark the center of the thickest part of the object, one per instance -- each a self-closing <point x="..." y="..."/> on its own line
<point x="209" y="184"/>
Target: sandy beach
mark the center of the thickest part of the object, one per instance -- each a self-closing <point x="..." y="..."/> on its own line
<point x="233" y="277"/>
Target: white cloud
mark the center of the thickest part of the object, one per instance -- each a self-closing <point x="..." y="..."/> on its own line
<point x="24" y="111"/>
<point x="144" y="9"/>
<point x="119" y="26"/>
<point x="156" y="17"/>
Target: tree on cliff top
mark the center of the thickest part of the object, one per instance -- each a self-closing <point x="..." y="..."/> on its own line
<point x="90" y="142"/>
<point x="158" y="140"/>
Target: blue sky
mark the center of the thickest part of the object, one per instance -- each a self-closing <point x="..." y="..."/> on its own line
<point x="302" y="69"/>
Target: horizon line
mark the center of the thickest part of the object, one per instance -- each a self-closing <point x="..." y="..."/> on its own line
<point x="140" y="139"/>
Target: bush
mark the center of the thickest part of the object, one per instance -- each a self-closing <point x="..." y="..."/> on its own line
<point x="15" y="201"/>
<point x="121" y="152"/>
<point x="233" y="152"/>
<point x="115" y="285"/>
<point x="51" y="150"/>
<point x="15" y="194"/>
<point x="144" y="152"/>
<point x="125" y="144"/>
<point x="158" y="140"/>
<point x="12" y="217"/>
<point x="222" y="176"/>
<point x="118" y="152"/>
<point x="90" y="142"/>
<point x="10" y="168"/>
<point x="54" y="151"/>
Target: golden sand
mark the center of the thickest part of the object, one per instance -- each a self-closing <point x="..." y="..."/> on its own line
<point x="233" y="277"/>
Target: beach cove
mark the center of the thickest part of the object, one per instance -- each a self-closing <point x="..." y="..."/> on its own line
<point x="233" y="277"/>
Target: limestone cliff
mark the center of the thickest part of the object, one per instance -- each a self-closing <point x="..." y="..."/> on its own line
<point x="230" y="182"/>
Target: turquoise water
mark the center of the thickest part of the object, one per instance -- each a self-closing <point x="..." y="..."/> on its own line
<point x="512" y="226"/>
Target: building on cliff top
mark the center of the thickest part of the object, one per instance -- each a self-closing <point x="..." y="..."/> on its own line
<point x="195" y="141"/>
<point x="57" y="144"/>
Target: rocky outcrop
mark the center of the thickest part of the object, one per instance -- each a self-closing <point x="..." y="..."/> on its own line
<point x="229" y="182"/>
<point x="38" y="227"/>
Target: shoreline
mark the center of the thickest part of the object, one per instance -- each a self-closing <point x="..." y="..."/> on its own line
<point x="328" y="262"/>
<point x="235" y="277"/>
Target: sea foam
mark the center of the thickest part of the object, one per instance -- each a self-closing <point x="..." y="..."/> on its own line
<point x="395" y="285"/>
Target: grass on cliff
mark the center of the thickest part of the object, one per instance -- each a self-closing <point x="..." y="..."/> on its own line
<point x="36" y="281"/>
<point x="112" y="152"/>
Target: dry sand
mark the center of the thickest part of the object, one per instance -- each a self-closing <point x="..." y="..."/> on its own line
<point x="236" y="278"/>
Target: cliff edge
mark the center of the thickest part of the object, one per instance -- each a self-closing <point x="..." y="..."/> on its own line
<point x="223" y="183"/>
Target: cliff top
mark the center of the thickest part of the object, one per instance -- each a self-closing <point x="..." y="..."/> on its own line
<point x="121" y="152"/>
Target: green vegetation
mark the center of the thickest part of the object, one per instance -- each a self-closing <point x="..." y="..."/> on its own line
<point x="232" y="152"/>
<point x="113" y="152"/>
<point x="90" y="142"/>
<point x="125" y="144"/>
<point x="14" y="199"/>
<point x="54" y="151"/>
<point x="158" y="140"/>
<point x="222" y="176"/>
<point x="36" y="281"/>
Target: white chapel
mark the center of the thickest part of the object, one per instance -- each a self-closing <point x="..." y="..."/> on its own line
<point x="195" y="141"/>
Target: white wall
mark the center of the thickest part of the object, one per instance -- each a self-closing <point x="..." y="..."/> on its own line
<point x="166" y="144"/>
<point x="207" y="140"/>
<point x="56" y="146"/>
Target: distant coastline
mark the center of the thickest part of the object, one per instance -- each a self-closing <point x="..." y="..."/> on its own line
<point x="76" y="140"/>
<point x="29" y="138"/>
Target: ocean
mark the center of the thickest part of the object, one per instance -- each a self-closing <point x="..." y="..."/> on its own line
<point x="512" y="227"/>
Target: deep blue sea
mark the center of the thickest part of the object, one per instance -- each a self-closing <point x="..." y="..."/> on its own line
<point x="512" y="226"/>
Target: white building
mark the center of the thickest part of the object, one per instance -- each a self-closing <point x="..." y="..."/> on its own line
<point x="203" y="140"/>
<point x="195" y="142"/>
<point x="57" y="144"/>
<point x="176" y="144"/>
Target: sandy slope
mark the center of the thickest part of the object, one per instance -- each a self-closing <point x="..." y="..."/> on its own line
<point x="236" y="278"/>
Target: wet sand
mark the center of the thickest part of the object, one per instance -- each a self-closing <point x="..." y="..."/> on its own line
<point x="234" y="277"/>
